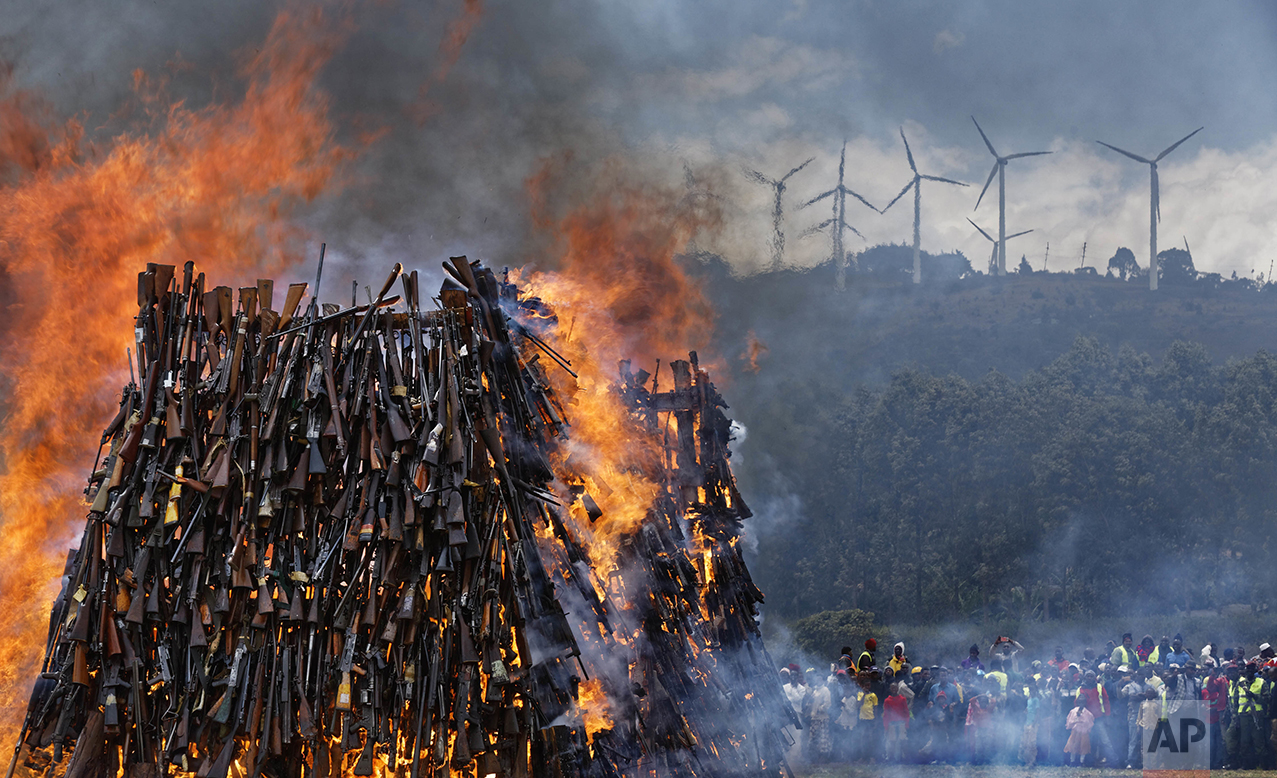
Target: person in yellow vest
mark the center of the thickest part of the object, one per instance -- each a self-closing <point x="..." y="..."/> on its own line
<point x="1248" y="700"/>
<point x="1125" y="653"/>
<point x="997" y="673"/>
<point x="1161" y="654"/>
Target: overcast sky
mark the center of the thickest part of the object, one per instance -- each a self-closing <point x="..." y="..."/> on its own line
<point x="724" y="86"/>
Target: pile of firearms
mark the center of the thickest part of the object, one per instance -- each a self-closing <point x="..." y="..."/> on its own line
<point x="331" y="541"/>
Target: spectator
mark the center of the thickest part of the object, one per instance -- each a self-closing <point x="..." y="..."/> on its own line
<point x="1079" y="724"/>
<point x="1150" y="714"/>
<point x="1162" y="654"/>
<point x="972" y="662"/>
<point x="1125" y="653"/>
<point x="1134" y="691"/>
<point x="867" y="734"/>
<point x="979" y="721"/>
<point x="1249" y="700"/>
<point x="998" y="674"/>
<point x="866" y="659"/>
<point x="1029" y="736"/>
<point x="1145" y="648"/>
<point x="1179" y="655"/>
<point x="818" y="744"/>
<point x="1059" y="662"/>
<point x="1095" y="699"/>
<point x="895" y="719"/>
<point x="1215" y="692"/>
<point x="898" y="659"/>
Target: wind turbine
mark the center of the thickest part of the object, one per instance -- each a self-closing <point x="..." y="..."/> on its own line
<point x="778" y="237"/>
<point x="839" y="219"/>
<point x="1154" y="204"/>
<point x="916" y="183"/>
<point x="999" y="168"/>
<point x="999" y="246"/>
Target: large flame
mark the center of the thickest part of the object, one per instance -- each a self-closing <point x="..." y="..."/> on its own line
<point x="623" y="295"/>
<point x="76" y="224"/>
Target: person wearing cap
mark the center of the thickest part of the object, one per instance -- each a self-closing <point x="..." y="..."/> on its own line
<point x="866" y="658"/>
<point x="1265" y="656"/>
<point x="1249" y="700"/>
<point x="1125" y="653"/>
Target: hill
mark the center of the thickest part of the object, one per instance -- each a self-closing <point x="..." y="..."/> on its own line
<point x="1012" y="422"/>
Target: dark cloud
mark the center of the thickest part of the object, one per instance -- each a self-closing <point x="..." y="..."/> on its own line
<point x="717" y="83"/>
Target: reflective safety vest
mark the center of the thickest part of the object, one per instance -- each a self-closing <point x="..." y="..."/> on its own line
<point x="1128" y="656"/>
<point x="1249" y="698"/>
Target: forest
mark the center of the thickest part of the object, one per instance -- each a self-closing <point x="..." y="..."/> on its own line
<point x="1103" y="483"/>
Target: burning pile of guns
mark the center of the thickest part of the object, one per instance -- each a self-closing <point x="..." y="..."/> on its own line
<point x="328" y="542"/>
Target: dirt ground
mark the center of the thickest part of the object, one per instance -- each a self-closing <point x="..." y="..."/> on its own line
<point x="966" y="771"/>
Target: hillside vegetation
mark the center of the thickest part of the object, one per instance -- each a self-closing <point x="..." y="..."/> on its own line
<point x="1039" y="446"/>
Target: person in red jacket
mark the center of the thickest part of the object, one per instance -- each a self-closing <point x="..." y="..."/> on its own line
<point x="895" y="718"/>
<point x="1095" y="698"/>
<point x="1215" y="691"/>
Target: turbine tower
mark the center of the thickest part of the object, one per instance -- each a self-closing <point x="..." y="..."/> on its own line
<point x="916" y="183"/>
<point x="839" y="218"/>
<point x="999" y="169"/>
<point x="999" y="246"/>
<point x="1154" y="204"/>
<point x="778" y="237"/>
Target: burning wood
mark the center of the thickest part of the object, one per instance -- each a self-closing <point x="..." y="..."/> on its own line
<point x="369" y="539"/>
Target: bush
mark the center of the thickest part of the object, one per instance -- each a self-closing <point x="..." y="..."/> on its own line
<point x="822" y="634"/>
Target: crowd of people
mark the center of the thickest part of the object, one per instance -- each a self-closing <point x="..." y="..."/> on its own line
<point x="1002" y="708"/>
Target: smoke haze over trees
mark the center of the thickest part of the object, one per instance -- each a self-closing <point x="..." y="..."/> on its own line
<point x="1005" y="449"/>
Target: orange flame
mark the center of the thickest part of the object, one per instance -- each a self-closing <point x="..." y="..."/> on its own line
<point x="628" y="297"/>
<point x="592" y="702"/>
<point x="75" y="225"/>
<point x="454" y="38"/>
<point x="754" y="348"/>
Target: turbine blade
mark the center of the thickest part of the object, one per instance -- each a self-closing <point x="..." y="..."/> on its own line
<point x="943" y="180"/>
<point x="689" y="180"/>
<point x="1028" y="154"/>
<point x="814" y="229"/>
<point x="853" y="229"/>
<point x="908" y="186"/>
<point x="754" y="175"/>
<point x="818" y="198"/>
<point x="986" y="138"/>
<point x="1018" y="234"/>
<point x="908" y="153"/>
<point x="795" y="170"/>
<point x="861" y="199"/>
<point x="1175" y="145"/>
<point x="1135" y="157"/>
<point x="992" y="173"/>
<point x="982" y="232"/>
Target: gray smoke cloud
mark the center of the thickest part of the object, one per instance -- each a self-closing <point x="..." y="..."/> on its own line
<point x="727" y="86"/>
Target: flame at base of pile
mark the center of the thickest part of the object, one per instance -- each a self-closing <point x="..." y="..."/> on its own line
<point x="361" y="542"/>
